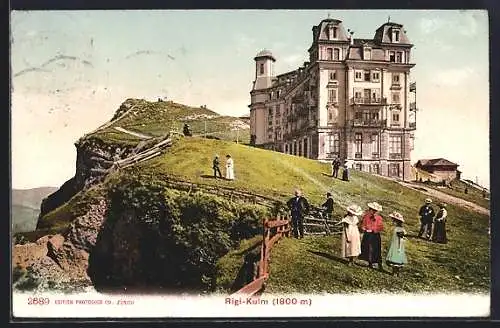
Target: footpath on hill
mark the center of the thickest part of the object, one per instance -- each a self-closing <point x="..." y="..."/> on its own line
<point x="447" y="198"/>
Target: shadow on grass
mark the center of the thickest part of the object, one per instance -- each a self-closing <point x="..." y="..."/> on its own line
<point x="345" y="261"/>
<point x="208" y="176"/>
<point x="250" y="248"/>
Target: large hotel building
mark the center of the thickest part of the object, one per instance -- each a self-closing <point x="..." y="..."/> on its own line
<point x="351" y="100"/>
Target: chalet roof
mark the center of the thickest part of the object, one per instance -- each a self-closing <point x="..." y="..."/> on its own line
<point x="436" y="162"/>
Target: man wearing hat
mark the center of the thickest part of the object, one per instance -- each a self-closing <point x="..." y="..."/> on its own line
<point x="215" y="166"/>
<point x="298" y="206"/>
<point x="327" y="210"/>
<point x="371" y="244"/>
<point x="426" y="213"/>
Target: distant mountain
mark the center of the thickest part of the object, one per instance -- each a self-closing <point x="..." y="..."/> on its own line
<point x="26" y="207"/>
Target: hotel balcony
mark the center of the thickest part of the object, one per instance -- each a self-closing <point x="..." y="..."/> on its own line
<point x="368" y="101"/>
<point x="395" y="156"/>
<point x="368" y="123"/>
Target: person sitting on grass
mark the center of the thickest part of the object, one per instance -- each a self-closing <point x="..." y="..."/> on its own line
<point x="396" y="256"/>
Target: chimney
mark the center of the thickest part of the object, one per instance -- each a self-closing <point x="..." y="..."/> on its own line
<point x="351" y="39"/>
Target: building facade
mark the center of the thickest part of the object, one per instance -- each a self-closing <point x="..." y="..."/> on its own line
<point x="351" y="100"/>
<point x="440" y="169"/>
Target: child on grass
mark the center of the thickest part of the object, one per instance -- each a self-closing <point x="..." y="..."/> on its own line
<point x="396" y="256"/>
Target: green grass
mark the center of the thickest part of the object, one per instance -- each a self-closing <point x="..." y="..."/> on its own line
<point x="159" y="118"/>
<point x="294" y="266"/>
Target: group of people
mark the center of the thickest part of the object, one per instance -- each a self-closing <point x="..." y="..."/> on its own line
<point x="432" y="224"/>
<point x="362" y="238"/>
<point x="336" y="164"/>
<point x="229" y="167"/>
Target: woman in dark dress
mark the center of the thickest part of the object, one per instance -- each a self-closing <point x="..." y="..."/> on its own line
<point x="439" y="231"/>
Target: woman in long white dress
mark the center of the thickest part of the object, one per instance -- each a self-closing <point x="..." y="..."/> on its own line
<point x="351" y="240"/>
<point x="229" y="168"/>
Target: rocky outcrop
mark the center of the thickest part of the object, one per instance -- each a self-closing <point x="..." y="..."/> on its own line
<point x="61" y="261"/>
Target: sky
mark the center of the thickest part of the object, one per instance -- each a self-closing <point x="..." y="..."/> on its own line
<point x="70" y="71"/>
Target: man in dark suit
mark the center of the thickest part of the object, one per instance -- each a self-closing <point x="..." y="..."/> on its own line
<point x="215" y="166"/>
<point x="426" y="213"/>
<point x="299" y="207"/>
<point x="335" y="167"/>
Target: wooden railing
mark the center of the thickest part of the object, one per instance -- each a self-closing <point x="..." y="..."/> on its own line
<point x="274" y="230"/>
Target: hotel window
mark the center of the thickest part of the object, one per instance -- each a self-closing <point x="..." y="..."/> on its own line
<point x="333" y="75"/>
<point x="261" y="69"/>
<point x="394" y="169"/>
<point x="358" y="166"/>
<point x="395" y="78"/>
<point x="357" y="94"/>
<point x="375" y="142"/>
<point x="375" y="76"/>
<point x="279" y="93"/>
<point x="332" y="32"/>
<point x="367" y="76"/>
<point x="395" y="144"/>
<point x="336" y="54"/>
<point x="395" y="117"/>
<point x="395" y="35"/>
<point x="395" y="98"/>
<point x="336" y="143"/>
<point x="329" y="54"/>
<point x="358" y="139"/>
<point x="358" y="75"/>
<point x="374" y="116"/>
<point x="399" y="57"/>
<point x="392" y="56"/>
<point x="376" y="168"/>
<point x="332" y="95"/>
<point x="367" y="54"/>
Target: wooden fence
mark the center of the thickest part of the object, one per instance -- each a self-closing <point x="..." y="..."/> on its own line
<point x="274" y="230"/>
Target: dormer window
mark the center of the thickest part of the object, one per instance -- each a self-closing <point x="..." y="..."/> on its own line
<point x="367" y="54"/>
<point x="395" y="35"/>
<point x="332" y="32"/>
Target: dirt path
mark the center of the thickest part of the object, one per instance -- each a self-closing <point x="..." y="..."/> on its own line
<point x="137" y="134"/>
<point x="447" y="198"/>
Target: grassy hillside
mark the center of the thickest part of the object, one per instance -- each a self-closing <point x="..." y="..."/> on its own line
<point x="312" y="264"/>
<point x="159" y="118"/>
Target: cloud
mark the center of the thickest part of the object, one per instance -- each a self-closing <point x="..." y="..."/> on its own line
<point x="465" y="24"/>
<point x="294" y="60"/>
<point x="454" y="76"/>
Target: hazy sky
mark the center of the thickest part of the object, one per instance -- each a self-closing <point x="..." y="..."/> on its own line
<point x="72" y="69"/>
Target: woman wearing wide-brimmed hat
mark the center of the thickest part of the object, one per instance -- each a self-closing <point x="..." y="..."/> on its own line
<point x="371" y="244"/>
<point x="396" y="256"/>
<point x="439" y="230"/>
<point x="351" y="243"/>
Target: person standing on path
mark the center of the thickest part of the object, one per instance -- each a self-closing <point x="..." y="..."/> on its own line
<point x="351" y="243"/>
<point x="371" y="244"/>
<point x="229" y="168"/>
<point x="299" y="207"/>
<point x="439" y="231"/>
<point x="426" y="213"/>
<point x="396" y="256"/>
<point x="215" y="166"/>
